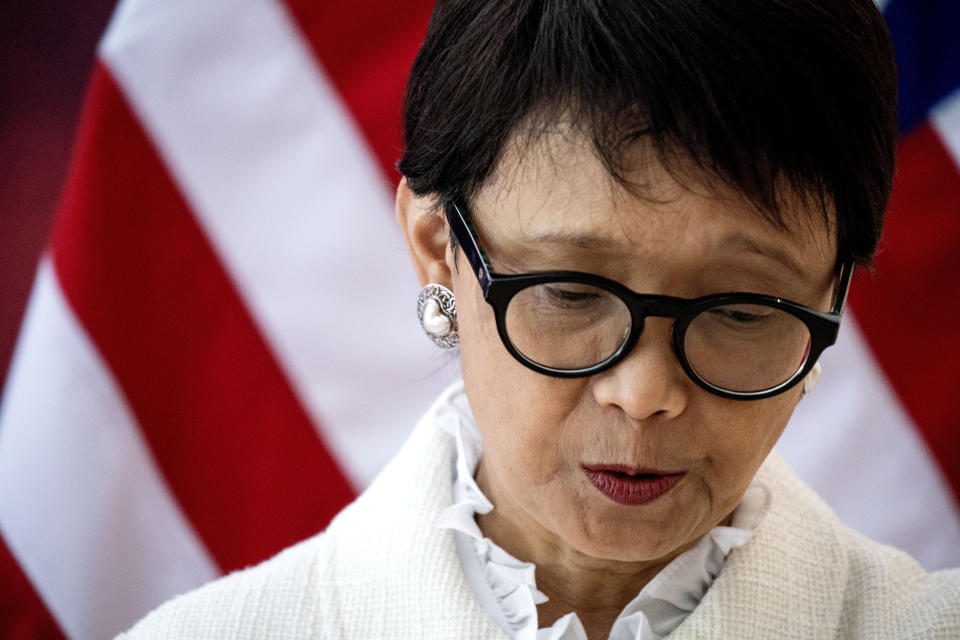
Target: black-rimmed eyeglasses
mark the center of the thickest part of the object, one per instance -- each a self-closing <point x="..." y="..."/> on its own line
<point x="569" y="324"/>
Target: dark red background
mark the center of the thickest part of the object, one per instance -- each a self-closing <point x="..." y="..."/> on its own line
<point x="46" y="54"/>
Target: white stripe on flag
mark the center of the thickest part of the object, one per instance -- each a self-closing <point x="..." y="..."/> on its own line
<point x="852" y="441"/>
<point x="82" y="505"/>
<point x="284" y="186"/>
<point x="945" y="119"/>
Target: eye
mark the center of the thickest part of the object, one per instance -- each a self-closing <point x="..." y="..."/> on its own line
<point x="745" y="317"/>
<point x="570" y="295"/>
<point x="741" y="315"/>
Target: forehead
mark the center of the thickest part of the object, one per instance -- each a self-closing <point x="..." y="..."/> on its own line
<point x="552" y="195"/>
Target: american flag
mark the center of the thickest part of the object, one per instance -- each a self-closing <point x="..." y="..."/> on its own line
<point x="220" y="349"/>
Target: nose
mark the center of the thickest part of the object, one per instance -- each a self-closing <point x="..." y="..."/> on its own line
<point x="649" y="382"/>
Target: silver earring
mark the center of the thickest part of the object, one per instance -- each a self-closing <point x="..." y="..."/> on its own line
<point x="811" y="380"/>
<point x="437" y="310"/>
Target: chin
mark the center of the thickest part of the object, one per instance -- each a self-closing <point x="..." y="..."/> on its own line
<point x="629" y="542"/>
<point x="624" y="551"/>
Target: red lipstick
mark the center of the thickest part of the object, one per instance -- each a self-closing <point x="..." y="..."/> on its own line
<point x="631" y="486"/>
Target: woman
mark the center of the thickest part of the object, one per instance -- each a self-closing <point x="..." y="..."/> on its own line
<point x="638" y="221"/>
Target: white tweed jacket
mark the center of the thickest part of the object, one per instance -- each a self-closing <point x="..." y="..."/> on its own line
<point x="383" y="569"/>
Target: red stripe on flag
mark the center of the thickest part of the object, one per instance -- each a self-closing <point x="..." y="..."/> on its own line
<point x="367" y="48"/>
<point x="231" y="438"/>
<point x="22" y="613"/>
<point x="910" y="309"/>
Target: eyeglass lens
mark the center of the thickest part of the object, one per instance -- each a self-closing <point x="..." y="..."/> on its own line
<point x="736" y="347"/>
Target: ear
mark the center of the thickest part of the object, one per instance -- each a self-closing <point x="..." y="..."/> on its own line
<point x="427" y="236"/>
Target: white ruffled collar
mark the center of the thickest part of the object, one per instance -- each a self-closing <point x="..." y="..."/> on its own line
<point x="506" y="586"/>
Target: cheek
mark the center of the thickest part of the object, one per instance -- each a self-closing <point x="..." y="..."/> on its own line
<point x="489" y="372"/>
<point x="522" y="415"/>
<point x="739" y="441"/>
<point x="481" y="352"/>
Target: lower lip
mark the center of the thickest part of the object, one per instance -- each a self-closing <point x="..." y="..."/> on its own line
<point x="632" y="490"/>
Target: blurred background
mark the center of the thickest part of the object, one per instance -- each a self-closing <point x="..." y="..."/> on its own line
<point x="207" y="337"/>
<point x="46" y="53"/>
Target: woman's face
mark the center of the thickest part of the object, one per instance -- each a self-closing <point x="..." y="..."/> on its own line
<point x="555" y="207"/>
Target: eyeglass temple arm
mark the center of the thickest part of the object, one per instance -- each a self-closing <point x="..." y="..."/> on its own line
<point x="843" y="287"/>
<point x="466" y="236"/>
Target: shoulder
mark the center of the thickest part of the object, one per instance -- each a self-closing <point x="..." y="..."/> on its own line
<point x="383" y="568"/>
<point x="810" y="573"/>
<point x="297" y="591"/>
<point x="308" y="589"/>
<point x="888" y="594"/>
<point x="253" y="603"/>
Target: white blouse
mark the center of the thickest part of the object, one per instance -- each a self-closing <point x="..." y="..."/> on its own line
<point x="507" y="588"/>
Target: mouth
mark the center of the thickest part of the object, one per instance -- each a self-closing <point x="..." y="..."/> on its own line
<point x="631" y="486"/>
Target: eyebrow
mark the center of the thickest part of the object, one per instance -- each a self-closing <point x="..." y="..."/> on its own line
<point x="739" y="242"/>
<point x="736" y="241"/>
<point x="733" y="241"/>
<point x="577" y="239"/>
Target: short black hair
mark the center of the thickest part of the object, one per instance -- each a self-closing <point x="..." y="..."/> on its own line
<point x="756" y="93"/>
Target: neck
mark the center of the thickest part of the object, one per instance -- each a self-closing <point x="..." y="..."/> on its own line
<point x="596" y="589"/>
<point x="596" y="594"/>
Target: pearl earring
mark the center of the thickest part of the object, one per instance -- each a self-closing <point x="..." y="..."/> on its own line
<point x="811" y="380"/>
<point x="437" y="310"/>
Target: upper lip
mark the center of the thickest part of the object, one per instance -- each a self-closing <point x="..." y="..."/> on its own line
<point x="629" y="470"/>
